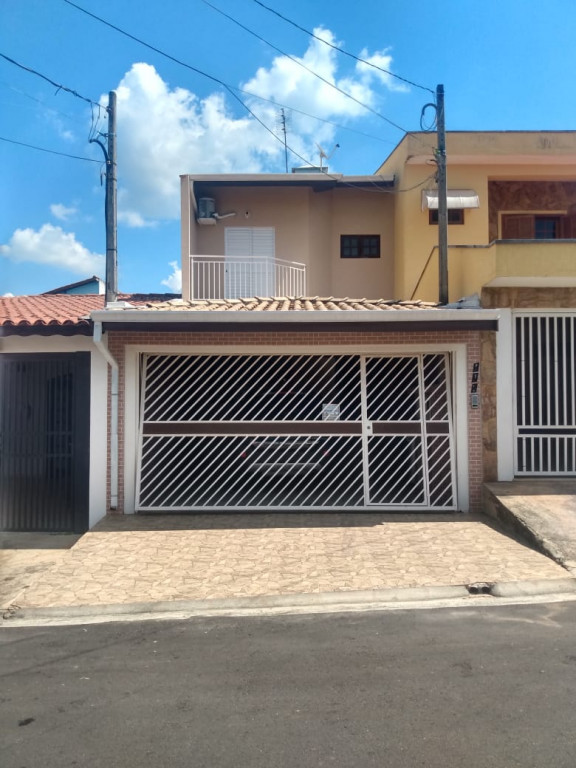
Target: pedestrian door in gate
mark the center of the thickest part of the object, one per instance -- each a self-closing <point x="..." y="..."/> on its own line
<point x="408" y="431"/>
<point x="296" y="431"/>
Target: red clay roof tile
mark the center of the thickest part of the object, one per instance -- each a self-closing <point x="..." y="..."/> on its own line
<point x="44" y="310"/>
<point x="59" y="310"/>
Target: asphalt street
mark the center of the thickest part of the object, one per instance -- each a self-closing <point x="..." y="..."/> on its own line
<point x="447" y="688"/>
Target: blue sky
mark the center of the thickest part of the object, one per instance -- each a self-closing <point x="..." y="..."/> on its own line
<point x="504" y="65"/>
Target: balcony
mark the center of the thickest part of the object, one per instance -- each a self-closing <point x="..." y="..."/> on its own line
<point x="234" y="277"/>
<point x="501" y="263"/>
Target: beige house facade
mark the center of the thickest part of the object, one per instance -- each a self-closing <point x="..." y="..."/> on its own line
<point x="303" y="222"/>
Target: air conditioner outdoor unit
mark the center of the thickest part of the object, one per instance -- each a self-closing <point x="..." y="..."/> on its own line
<point x="206" y="208"/>
<point x="207" y="211"/>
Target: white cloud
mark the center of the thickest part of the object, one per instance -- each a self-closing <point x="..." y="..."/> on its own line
<point x="381" y="59"/>
<point x="164" y="132"/>
<point x="52" y="247"/>
<point x="8" y="295"/>
<point x="59" y="126"/>
<point x="133" y="218"/>
<point x="174" y="281"/>
<point x="62" y="212"/>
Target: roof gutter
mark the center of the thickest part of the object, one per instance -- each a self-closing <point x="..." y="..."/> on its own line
<point x="105" y="352"/>
<point x="291" y="317"/>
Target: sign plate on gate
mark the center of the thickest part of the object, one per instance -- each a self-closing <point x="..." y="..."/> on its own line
<point x="330" y="412"/>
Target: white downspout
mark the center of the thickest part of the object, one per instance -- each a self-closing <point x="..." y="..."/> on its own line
<point x="105" y="352"/>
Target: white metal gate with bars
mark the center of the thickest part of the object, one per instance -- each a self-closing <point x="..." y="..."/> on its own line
<point x="545" y="439"/>
<point x="283" y="431"/>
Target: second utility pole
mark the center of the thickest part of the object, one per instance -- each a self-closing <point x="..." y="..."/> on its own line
<point x="111" y="223"/>
<point x="110" y="202"/>
<point x="442" y="199"/>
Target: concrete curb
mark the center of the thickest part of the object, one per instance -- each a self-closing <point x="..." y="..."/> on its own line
<point x="298" y="603"/>
<point x="534" y="588"/>
<point x="391" y="595"/>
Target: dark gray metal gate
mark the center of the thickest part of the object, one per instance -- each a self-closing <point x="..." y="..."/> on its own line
<point x="44" y="442"/>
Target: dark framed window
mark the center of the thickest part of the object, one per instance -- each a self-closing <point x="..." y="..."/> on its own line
<point x="546" y="227"/>
<point x="455" y="216"/>
<point x="534" y="226"/>
<point x="359" y="246"/>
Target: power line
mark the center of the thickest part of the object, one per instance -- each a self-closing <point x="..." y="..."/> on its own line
<point x="39" y="101"/>
<point x="146" y="45"/>
<point x="51" y="151"/>
<point x="59" y="86"/>
<point x="205" y="74"/>
<point x="341" y="50"/>
<point x="300" y="64"/>
<point x="329" y="122"/>
<point x="229" y="88"/>
<point x="308" y="162"/>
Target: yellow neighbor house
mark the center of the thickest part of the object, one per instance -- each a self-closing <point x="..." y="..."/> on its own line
<point x="512" y="241"/>
<point x="512" y="212"/>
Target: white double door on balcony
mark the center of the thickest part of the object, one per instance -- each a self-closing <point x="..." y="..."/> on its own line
<point x="250" y="262"/>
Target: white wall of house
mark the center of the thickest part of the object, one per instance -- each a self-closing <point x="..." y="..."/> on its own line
<point x="505" y="401"/>
<point x="98" y="403"/>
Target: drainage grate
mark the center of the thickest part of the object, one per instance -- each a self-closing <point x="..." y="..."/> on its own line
<point x="480" y="588"/>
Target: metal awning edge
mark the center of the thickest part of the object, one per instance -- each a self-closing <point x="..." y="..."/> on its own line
<point x="291" y="317"/>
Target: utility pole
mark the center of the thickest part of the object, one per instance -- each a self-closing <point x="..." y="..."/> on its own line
<point x="110" y="202"/>
<point x="442" y="198"/>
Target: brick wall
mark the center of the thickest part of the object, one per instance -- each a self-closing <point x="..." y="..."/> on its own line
<point x="278" y="339"/>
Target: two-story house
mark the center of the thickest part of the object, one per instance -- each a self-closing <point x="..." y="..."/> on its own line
<point x="290" y="376"/>
<point x="308" y="365"/>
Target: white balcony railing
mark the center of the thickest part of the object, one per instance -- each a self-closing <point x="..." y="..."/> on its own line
<point x="234" y="277"/>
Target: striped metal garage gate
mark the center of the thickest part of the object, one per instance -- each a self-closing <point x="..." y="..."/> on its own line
<point x="545" y="393"/>
<point x="282" y="432"/>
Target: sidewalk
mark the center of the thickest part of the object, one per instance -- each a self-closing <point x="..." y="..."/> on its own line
<point x="146" y="559"/>
<point x="26" y="556"/>
<point x="541" y="511"/>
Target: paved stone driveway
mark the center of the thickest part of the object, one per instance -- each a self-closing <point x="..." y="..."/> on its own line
<point x="140" y="559"/>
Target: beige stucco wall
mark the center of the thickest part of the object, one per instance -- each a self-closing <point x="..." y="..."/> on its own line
<point x="363" y="212"/>
<point x="308" y="226"/>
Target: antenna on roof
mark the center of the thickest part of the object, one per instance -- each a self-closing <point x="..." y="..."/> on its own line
<point x="324" y="155"/>
<point x="283" y="124"/>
